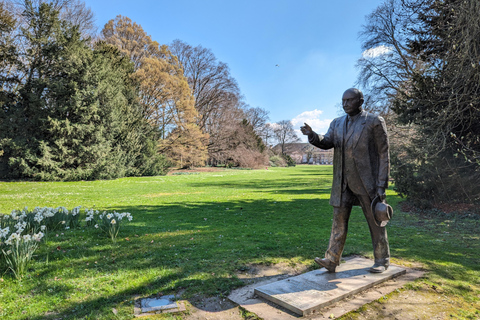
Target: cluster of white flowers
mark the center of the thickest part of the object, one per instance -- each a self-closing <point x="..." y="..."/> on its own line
<point x="38" y="236"/>
<point x="17" y="235"/>
<point x="122" y="215"/>
<point x="4" y="232"/>
<point x="12" y="237"/>
<point x="62" y="210"/>
<point x="20" y="226"/>
<point x="19" y="215"/>
<point x="115" y="215"/>
<point x="19" y="222"/>
<point x="102" y="215"/>
<point x="26" y="237"/>
<point x="76" y="210"/>
<point x="90" y="214"/>
<point x="38" y="217"/>
<point x="43" y="213"/>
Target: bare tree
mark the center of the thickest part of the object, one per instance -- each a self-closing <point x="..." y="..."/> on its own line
<point x="421" y="62"/>
<point x="234" y="142"/>
<point x="386" y="64"/>
<point x="257" y="117"/>
<point x="266" y="132"/>
<point x="212" y="85"/>
<point x="285" y="133"/>
<point x="221" y="110"/>
<point x="74" y="11"/>
<point x="309" y="151"/>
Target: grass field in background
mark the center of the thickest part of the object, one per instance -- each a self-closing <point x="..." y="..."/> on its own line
<point x="192" y="234"/>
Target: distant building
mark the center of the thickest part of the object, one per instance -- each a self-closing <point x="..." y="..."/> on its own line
<point x="305" y="153"/>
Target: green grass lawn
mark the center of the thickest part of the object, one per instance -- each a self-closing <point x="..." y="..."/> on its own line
<point x="191" y="235"/>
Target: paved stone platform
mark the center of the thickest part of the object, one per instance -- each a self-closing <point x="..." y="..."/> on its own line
<point x="319" y="294"/>
<point x="311" y="291"/>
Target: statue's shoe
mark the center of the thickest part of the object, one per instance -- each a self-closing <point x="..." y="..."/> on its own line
<point x="327" y="264"/>
<point x="376" y="268"/>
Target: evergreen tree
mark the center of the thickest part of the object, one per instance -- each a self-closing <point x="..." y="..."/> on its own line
<point x="425" y="68"/>
<point x="76" y="115"/>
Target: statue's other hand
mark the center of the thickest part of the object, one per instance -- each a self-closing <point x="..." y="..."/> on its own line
<point x="381" y="193"/>
<point x="306" y="129"/>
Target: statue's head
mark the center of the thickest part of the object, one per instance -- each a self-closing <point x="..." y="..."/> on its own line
<point x="352" y="101"/>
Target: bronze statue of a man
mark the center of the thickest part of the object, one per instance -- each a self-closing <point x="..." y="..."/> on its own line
<point x="361" y="166"/>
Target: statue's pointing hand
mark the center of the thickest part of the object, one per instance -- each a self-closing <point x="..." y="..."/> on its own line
<point x="306" y="129"/>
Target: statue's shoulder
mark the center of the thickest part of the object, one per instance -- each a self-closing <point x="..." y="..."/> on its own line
<point x="339" y="119"/>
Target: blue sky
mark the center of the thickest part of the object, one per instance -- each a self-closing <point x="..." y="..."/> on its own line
<point x="314" y="42"/>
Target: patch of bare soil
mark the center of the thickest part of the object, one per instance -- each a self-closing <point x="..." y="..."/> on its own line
<point x="215" y="308"/>
<point x="257" y="272"/>
<point x="460" y="208"/>
<point x="406" y="305"/>
<point x="194" y="170"/>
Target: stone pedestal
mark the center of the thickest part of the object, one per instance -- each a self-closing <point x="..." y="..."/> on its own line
<point x="319" y="294"/>
<point x="311" y="291"/>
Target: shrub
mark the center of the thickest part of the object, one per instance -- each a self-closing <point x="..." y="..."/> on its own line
<point x="277" y="161"/>
<point x="289" y="160"/>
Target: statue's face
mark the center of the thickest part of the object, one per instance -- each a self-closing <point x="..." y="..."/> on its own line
<point x="351" y="102"/>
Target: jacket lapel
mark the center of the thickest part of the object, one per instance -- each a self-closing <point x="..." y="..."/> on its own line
<point x="349" y="133"/>
<point x="358" y="128"/>
<point x="342" y="129"/>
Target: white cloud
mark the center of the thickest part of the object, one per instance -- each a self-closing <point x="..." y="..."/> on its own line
<point x="375" y="52"/>
<point x="314" y="120"/>
<point x="274" y="125"/>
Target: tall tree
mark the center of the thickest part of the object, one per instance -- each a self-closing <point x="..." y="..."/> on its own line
<point x="257" y="117"/>
<point x="266" y="132"/>
<point x="387" y="65"/>
<point x="166" y="98"/>
<point x="430" y="76"/>
<point x="75" y="114"/>
<point x="221" y="110"/>
<point x="73" y="11"/>
<point x="284" y="134"/>
<point x="444" y="100"/>
<point x="8" y="54"/>
<point x="212" y="85"/>
<point x="130" y="38"/>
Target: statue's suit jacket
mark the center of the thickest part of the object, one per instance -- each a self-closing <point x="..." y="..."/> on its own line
<point x="370" y="152"/>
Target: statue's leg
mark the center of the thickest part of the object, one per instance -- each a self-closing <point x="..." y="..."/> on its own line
<point x="381" y="249"/>
<point x="338" y="235"/>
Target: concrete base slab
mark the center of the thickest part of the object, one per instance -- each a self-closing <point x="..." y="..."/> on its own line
<point x="319" y="294"/>
<point x="309" y="292"/>
<point x="157" y="305"/>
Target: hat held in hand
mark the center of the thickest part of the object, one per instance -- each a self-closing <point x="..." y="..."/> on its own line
<point x="382" y="212"/>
